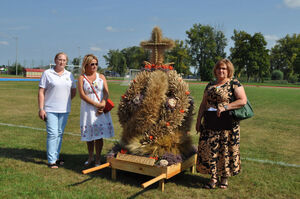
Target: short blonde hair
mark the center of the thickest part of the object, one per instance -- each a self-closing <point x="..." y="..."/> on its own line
<point x="226" y="62"/>
<point x="87" y="60"/>
<point x="61" y="53"/>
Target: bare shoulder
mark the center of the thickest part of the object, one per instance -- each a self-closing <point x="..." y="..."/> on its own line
<point x="102" y="76"/>
<point x="80" y="77"/>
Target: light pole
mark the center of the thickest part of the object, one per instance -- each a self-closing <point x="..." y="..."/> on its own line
<point x="79" y="56"/>
<point x="16" y="38"/>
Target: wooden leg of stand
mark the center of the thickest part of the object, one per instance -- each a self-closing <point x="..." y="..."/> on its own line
<point x="162" y="185"/>
<point x="113" y="174"/>
<point x="193" y="169"/>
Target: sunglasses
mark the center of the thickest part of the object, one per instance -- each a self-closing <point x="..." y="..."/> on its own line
<point x="94" y="64"/>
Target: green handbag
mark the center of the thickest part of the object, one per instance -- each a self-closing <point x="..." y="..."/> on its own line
<point x="244" y="112"/>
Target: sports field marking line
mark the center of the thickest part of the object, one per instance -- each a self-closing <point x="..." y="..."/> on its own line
<point x="114" y="140"/>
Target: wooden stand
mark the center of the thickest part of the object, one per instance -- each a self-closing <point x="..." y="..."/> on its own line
<point x="159" y="172"/>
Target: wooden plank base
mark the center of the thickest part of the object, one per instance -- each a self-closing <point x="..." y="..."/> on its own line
<point x="160" y="173"/>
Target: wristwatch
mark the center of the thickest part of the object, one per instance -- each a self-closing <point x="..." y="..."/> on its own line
<point x="226" y="107"/>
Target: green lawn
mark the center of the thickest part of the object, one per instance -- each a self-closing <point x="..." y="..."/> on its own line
<point x="273" y="134"/>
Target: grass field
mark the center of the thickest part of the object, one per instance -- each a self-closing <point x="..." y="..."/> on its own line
<point x="271" y="137"/>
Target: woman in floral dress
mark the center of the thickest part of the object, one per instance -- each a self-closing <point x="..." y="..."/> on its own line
<point x="94" y="123"/>
<point x="219" y="148"/>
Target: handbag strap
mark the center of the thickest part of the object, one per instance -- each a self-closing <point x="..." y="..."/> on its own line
<point x="233" y="98"/>
<point x="91" y="86"/>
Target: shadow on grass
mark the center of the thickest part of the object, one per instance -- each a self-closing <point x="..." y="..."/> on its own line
<point x="75" y="162"/>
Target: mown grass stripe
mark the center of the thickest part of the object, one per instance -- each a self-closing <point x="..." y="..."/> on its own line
<point x="113" y="140"/>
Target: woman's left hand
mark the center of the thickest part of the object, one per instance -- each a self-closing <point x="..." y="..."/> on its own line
<point x="100" y="107"/>
<point x="220" y="110"/>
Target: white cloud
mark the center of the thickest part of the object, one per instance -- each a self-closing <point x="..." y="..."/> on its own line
<point x="292" y="3"/>
<point x="271" y="38"/>
<point x="110" y="29"/>
<point x="94" y="48"/>
<point x="3" y="43"/>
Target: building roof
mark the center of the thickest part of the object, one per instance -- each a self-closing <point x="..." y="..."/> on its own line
<point x="34" y="70"/>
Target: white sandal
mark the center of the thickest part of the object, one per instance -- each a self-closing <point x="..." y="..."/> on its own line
<point x="88" y="163"/>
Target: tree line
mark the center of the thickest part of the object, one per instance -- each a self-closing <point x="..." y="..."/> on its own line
<point x="205" y="45"/>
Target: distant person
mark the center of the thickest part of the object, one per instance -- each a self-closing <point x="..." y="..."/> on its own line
<point x="219" y="143"/>
<point x="94" y="123"/>
<point x="56" y="90"/>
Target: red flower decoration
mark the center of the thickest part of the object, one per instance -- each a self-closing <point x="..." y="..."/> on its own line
<point x="155" y="158"/>
<point x="187" y="92"/>
<point x="151" y="137"/>
<point x="134" y="81"/>
<point x="181" y="111"/>
<point x="168" y="123"/>
<point x="171" y="67"/>
<point x="123" y="96"/>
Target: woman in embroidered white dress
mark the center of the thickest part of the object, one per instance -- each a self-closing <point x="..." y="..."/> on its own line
<point x="94" y="123"/>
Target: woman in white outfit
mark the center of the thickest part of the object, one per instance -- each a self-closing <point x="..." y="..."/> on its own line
<point x="94" y="123"/>
<point x="56" y="90"/>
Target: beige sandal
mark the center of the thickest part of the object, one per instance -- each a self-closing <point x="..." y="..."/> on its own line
<point x="224" y="183"/>
<point x="212" y="183"/>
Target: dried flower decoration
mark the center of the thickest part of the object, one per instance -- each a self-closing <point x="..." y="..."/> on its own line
<point x="138" y="99"/>
<point x="155" y="67"/>
<point x="123" y="151"/>
<point x="171" y="103"/>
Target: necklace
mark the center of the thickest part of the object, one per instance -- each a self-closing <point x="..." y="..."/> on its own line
<point x="221" y="82"/>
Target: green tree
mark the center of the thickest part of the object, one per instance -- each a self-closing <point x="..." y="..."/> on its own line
<point x="296" y="64"/>
<point x="284" y="55"/>
<point x="180" y="56"/>
<point x="12" y="69"/>
<point x="250" y="55"/>
<point x="206" y="46"/>
<point x="135" y="56"/>
<point x="259" y="57"/>
<point x="76" y="61"/>
<point x="116" y="61"/>
<point x="240" y="52"/>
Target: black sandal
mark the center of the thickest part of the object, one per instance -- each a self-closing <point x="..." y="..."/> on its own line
<point x="212" y="184"/>
<point x="60" y="162"/>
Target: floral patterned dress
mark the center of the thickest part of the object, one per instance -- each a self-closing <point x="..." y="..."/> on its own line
<point x="92" y="125"/>
<point x="219" y="150"/>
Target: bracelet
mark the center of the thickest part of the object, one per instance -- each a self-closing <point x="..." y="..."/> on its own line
<point x="41" y="109"/>
<point x="226" y="107"/>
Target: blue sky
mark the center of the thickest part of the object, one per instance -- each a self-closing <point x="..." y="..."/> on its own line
<point x="78" y="27"/>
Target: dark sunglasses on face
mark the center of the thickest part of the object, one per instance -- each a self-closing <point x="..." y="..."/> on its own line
<point x="94" y="64"/>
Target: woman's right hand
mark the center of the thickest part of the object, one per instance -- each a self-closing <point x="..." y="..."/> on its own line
<point x="42" y="114"/>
